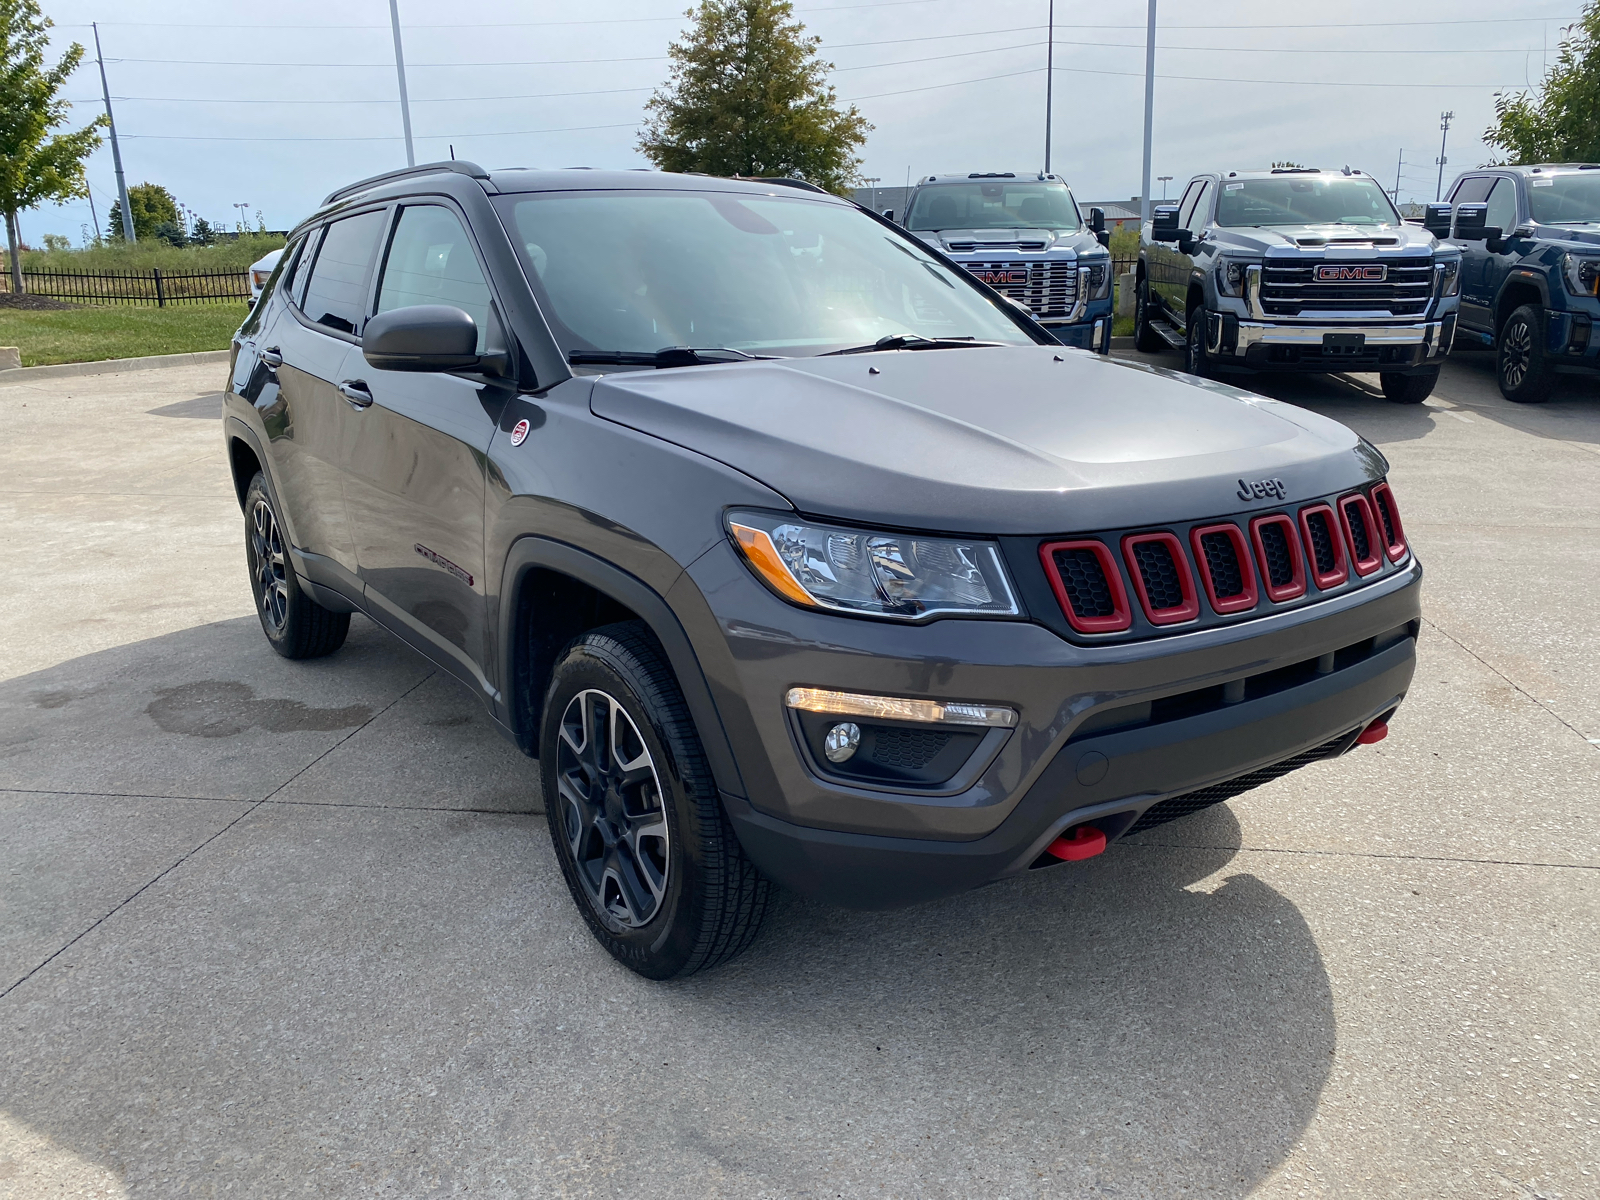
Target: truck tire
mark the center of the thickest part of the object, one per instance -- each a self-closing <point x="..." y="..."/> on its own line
<point x="1195" y="360"/>
<point x="1523" y="373"/>
<point x="1401" y="388"/>
<point x="296" y="625"/>
<point x="638" y="827"/>
<point x="1145" y="339"/>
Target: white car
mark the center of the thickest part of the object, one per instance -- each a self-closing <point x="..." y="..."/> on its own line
<point x="261" y="271"/>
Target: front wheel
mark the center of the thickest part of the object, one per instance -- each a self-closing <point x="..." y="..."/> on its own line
<point x="1408" y="389"/>
<point x="1195" y="360"/>
<point x="296" y="625"/>
<point x="1520" y="365"/>
<point x="635" y="818"/>
<point x="1145" y="339"/>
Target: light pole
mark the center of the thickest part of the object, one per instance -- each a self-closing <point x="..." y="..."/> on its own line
<point x="1165" y="179"/>
<point x="241" y="206"/>
<point x="1149" y="108"/>
<point x="1444" y="124"/>
<point x="116" y="150"/>
<point x="400" y="72"/>
<point x="1050" y="82"/>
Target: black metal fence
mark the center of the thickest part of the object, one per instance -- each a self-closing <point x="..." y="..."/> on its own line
<point x="154" y="286"/>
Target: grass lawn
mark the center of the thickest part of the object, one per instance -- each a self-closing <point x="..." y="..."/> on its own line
<point x="91" y="334"/>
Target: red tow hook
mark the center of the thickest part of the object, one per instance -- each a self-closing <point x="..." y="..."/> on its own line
<point x="1083" y="842"/>
<point x="1373" y="733"/>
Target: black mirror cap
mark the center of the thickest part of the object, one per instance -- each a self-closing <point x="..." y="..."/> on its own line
<point x="1103" y="236"/>
<point x="888" y="214"/>
<point x="426" y="337"/>
<point x="1164" y="224"/>
<point x="1436" y="220"/>
<point x="1097" y="219"/>
<point x="1470" y="225"/>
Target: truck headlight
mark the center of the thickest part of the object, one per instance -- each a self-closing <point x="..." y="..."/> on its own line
<point x="901" y="576"/>
<point x="1582" y="274"/>
<point x="1231" y="273"/>
<point x="1099" y="280"/>
<point x="1449" y="270"/>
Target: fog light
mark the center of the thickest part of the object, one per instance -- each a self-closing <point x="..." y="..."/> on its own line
<point x="841" y="742"/>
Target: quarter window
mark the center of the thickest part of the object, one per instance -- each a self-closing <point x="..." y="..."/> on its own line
<point x="336" y="295"/>
<point x="431" y="262"/>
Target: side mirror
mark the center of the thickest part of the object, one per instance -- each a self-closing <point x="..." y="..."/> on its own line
<point x="1470" y="225"/>
<point x="1436" y="220"/>
<point x="1097" y="226"/>
<point x="1164" y="224"/>
<point x="427" y="337"/>
<point x="888" y="214"/>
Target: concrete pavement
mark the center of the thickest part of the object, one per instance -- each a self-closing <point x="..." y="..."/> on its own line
<point x="277" y="929"/>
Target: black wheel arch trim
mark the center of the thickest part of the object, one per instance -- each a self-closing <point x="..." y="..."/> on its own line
<point x="532" y="552"/>
<point x="1517" y="279"/>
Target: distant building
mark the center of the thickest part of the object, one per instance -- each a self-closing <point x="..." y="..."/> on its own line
<point x="1119" y="213"/>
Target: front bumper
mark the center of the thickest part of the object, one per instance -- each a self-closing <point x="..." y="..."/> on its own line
<point x="1093" y="333"/>
<point x="1274" y="346"/>
<point x="875" y="847"/>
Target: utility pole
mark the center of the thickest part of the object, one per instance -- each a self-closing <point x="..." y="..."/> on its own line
<point x="1398" y="167"/>
<point x="116" y="150"/>
<point x="400" y="71"/>
<point x="1444" y="124"/>
<point x="1049" y="83"/>
<point x="1149" y="108"/>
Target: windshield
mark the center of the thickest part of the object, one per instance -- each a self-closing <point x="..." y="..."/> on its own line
<point x="1304" y="200"/>
<point x="1564" y="199"/>
<point x="993" y="204"/>
<point x="639" y="271"/>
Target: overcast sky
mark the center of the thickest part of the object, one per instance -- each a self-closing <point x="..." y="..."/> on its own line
<point x="275" y="105"/>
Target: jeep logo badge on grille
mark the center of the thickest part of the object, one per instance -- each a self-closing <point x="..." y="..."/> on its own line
<point x="1342" y="274"/>
<point x="1260" y="489"/>
<point x="1002" y="278"/>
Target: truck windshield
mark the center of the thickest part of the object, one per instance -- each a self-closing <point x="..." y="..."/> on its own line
<point x="993" y="204"/>
<point x="638" y="271"/>
<point x="1304" y="200"/>
<point x="1565" y="199"/>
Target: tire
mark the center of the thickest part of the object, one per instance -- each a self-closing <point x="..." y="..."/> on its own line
<point x="1408" y="389"/>
<point x="1145" y="339"/>
<point x="1523" y="373"/>
<point x="296" y="625"/>
<point x="1195" y="360"/>
<point x="648" y="853"/>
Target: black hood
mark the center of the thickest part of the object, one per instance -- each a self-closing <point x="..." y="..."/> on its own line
<point x="990" y="440"/>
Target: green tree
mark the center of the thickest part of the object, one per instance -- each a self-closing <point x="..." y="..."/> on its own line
<point x="35" y="164"/>
<point x="1561" y="123"/>
<point x="152" y="206"/>
<point x="202" y="234"/>
<point x="749" y="96"/>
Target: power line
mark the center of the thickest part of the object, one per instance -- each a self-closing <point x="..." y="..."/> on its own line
<point x="174" y="137"/>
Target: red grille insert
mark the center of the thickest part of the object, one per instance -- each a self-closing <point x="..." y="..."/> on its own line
<point x="1325" y="556"/>
<point x="1361" y="531"/>
<point x="1394" y="534"/>
<point x="1161" y="576"/>
<point x="1230" y="585"/>
<point x="1278" y="554"/>
<point x="1088" y="585"/>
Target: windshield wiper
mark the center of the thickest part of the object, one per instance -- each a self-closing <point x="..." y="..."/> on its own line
<point x="910" y="341"/>
<point x="667" y="356"/>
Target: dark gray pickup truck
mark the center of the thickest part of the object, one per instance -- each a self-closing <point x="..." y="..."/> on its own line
<point x="792" y="552"/>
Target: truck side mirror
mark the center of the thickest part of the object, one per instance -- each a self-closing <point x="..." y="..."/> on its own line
<point x="1164" y="224"/>
<point x="1470" y="225"/>
<point x="1097" y="225"/>
<point x="1436" y="220"/>
<point x="888" y="214"/>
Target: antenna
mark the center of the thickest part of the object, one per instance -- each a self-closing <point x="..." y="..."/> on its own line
<point x="1444" y="124"/>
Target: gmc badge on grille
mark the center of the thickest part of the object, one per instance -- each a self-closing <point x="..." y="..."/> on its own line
<point x="1001" y="278"/>
<point x="1262" y="488"/>
<point x="1343" y="274"/>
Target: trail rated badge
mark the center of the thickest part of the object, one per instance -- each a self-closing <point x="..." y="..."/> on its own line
<point x="519" y="432"/>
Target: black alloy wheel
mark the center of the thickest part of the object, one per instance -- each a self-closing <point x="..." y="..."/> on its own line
<point x="296" y="625"/>
<point x="1523" y="373"/>
<point x="1400" y="388"/>
<point x="1195" y="360"/>
<point x="1145" y="339"/>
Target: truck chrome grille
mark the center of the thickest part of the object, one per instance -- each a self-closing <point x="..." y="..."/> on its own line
<point x="1287" y="291"/>
<point x="1050" y="289"/>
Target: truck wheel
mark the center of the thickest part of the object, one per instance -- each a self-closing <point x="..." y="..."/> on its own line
<point x="1145" y="339"/>
<point x="1408" y="389"/>
<point x="1525" y="377"/>
<point x="638" y="827"/>
<point x="296" y="625"/>
<point x="1195" y="360"/>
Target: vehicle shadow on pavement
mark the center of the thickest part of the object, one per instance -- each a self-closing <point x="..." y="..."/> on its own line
<point x="377" y="979"/>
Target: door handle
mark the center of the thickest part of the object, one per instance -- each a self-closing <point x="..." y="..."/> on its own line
<point x="273" y="357"/>
<point x="355" y="391"/>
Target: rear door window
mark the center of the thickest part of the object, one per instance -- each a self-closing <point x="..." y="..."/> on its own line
<point x="336" y="294"/>
<point x="1186" y="205"/>
<point x="1473" y="190"/>
<point x="431" y="261"/>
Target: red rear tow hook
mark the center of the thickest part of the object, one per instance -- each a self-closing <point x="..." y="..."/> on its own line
<point x="1373" y="733"/>
<point x="1076" y="844"/>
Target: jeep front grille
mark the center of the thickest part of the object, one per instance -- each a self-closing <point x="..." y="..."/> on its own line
<point x="1288" y="291"/>
<point x="1050" y="289"/>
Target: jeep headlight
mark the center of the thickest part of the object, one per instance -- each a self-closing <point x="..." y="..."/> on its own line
<point x="1449" y="271"/>
<point x="1099" y="280"/>
<point x="1582" y="274"/>
<point x="902" y="576"/>
<point x="1231" y="273"/>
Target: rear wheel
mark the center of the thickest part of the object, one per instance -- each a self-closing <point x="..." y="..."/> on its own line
<point x="296" y="625"/>
<point x="1520" y="365"/>
<point x="1408" y="389"/>
<point x="1145" y="339"/>
<point x="1195" y="360"/>
<point x="635" y="818"/>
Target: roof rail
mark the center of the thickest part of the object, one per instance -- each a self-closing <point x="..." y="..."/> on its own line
<point x="459" y="166"/>
<point x="785" y="182"/>
<point x="1296" y="171"/>
<point x="991" y="175"/>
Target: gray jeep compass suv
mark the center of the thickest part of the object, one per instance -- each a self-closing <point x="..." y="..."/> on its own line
<point x="792" y="552"/>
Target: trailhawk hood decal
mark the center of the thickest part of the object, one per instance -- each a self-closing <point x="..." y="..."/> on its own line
<point x="990" y="440"/>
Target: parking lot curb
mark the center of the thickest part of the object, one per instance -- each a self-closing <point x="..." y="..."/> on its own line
<point x="110" y="366"/>
<point x="1122" y="343"/>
